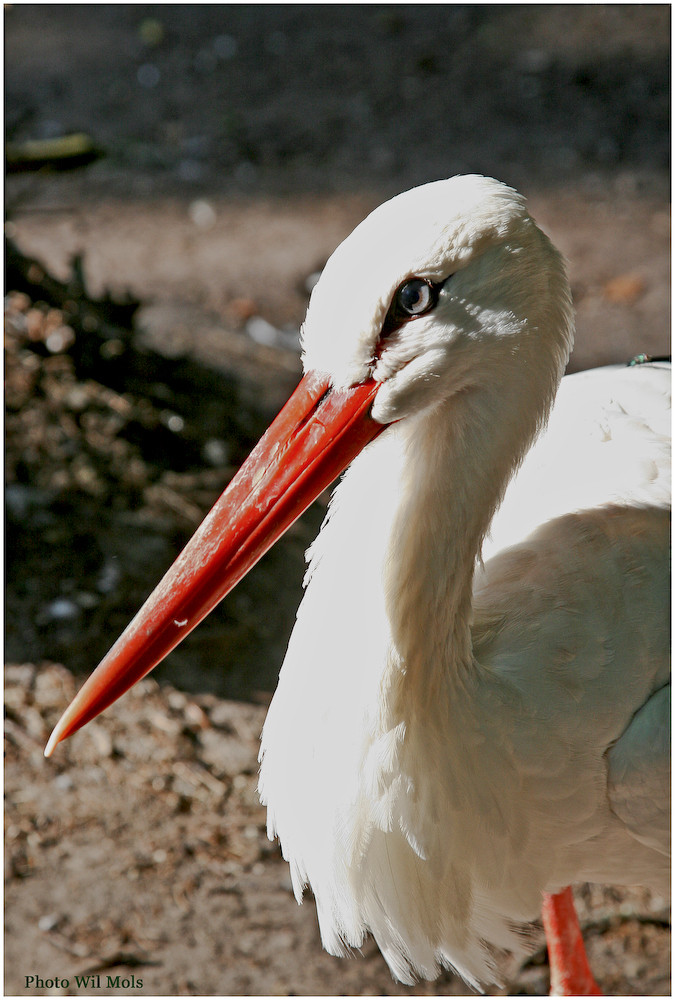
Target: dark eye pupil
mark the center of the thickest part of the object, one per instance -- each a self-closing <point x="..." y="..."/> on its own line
<point x="414" y="297"/>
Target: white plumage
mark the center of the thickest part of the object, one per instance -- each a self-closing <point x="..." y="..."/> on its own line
<point x="436" y="753"/>
<point x="473" y="709"/>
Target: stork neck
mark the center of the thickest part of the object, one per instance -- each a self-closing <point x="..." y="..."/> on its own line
<point x="460" y="458"/>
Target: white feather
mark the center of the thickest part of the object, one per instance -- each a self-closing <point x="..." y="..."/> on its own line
<point x="436" y="753"/>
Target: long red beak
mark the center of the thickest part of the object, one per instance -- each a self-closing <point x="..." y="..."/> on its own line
<point x="314" y="438"/>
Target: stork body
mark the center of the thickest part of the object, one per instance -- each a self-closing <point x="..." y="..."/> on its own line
<point x="473" y="706"/>
<point x="438" y="752"/>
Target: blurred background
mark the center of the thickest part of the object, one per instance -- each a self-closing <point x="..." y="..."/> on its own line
<point x="177" y="176"/>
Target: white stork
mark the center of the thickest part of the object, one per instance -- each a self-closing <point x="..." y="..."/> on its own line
<point x="473" y="710"/>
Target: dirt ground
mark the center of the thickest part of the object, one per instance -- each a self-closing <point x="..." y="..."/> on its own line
<point x="154" y="298"/>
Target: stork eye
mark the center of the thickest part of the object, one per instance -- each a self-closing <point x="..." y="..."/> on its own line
<point x="415" y="297"/>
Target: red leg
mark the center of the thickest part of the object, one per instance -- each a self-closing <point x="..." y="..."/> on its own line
<point x="570" y="972"/>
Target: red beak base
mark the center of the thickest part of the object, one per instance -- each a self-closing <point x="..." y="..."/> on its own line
<point x="313" y="439"/>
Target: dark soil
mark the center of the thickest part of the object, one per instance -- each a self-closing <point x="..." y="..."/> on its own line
<point x="153" y="303"/>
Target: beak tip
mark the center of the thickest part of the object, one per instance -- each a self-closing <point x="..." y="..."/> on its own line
<point x="54" y="739"/>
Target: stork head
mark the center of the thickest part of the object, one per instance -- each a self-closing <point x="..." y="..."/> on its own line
<point x="436" y="290"/>
<point x="448" y="287"/>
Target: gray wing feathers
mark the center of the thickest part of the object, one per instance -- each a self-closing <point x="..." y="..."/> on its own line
<point x="639" y="773"/>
